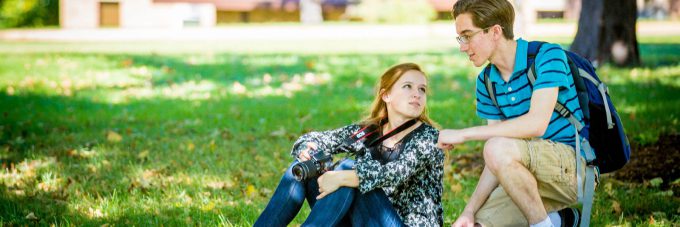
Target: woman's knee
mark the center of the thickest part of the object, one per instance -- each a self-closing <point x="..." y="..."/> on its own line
<point x="288" y="175"/>
<point x="347" y="164"/>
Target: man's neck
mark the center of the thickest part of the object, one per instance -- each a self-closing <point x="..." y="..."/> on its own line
<point x="504" y="58"/>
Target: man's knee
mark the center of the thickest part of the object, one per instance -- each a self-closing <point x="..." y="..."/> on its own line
<point x="499" y="152"/>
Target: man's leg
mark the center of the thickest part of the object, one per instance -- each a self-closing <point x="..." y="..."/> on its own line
<point x="504" y="159"/>
<point x="553" y="167"/>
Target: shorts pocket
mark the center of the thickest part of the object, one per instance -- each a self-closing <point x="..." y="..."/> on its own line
<point x="551" y="162"/>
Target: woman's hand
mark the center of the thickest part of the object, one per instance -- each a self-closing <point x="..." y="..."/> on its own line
<point x="304" y="154"/>
<point x="329" y="182"/>
<point x="465" y="219"/>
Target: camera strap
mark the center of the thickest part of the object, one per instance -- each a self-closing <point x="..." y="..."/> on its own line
<point x="369" y="130"/>
<point x="391" y="133"/>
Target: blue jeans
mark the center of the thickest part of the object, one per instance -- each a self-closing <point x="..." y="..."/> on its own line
<point x="336" y="209"/>
<point x="374" y="209"/>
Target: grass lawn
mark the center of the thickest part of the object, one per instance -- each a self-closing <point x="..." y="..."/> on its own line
<point x="139" y="134"/>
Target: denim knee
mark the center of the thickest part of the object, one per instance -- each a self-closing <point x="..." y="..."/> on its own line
<point x="346" y="164"/>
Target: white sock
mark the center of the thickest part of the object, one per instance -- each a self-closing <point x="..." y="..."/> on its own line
<point x="544" y="223"/>
<point x="555" y="219"/>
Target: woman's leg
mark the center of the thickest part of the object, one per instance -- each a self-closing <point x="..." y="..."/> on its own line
<point x="332" y="209"/>
<point x="286" y="201"/>
<point x="374" y="209"/>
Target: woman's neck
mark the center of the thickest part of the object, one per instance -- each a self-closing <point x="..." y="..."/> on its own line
<point x="393" y="123"/>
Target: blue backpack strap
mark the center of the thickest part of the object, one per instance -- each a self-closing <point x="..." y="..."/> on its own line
<point x="491" y="89"/>
<point x="591" y="173"/>
<point x="532" y="51"/>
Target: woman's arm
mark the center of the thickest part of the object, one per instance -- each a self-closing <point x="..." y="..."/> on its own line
<point x="332" y="180"/>
<point x="325" y="140"/>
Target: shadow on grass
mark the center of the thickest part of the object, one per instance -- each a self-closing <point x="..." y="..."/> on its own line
<point x="251" y="134"/>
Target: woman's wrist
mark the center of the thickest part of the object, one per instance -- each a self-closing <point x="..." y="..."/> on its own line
<point x="349" y="178"/>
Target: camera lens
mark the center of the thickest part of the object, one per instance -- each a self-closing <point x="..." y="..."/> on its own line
<point x="300" y="172"/>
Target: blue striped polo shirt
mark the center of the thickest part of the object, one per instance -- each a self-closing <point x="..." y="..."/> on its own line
<point x="514" y="96"/>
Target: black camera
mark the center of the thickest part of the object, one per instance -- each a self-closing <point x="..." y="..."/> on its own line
<point x="319" y="163"/>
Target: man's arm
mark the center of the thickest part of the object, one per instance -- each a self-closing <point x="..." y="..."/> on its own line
<point x="487" y="183"/>
<point x="532" y="124"/>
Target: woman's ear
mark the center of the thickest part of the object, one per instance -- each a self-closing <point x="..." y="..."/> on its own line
<point x="384" y="96"/>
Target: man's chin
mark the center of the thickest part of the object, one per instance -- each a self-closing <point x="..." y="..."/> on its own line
<point x="478" y="63"/>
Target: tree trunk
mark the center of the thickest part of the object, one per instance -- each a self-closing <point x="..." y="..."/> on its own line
<point x="572" y="9"/>
<point x="607" y="35"/>
<point x="618" y="41"/>
<point x="310" y="12"/>
<point x="674" y="11"/>
<point x="589" y="23"/>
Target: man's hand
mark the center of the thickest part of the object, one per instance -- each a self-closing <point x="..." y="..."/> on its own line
<point x="450" y="137"/>
<point x="304" y="154"/>
<point x="466" y="219"/>
<point x="328" y="183"/>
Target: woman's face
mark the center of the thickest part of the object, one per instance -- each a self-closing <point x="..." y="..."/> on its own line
<point x="408" y="96"/>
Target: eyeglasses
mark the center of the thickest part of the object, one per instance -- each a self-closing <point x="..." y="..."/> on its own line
<point x="465" y="39"/>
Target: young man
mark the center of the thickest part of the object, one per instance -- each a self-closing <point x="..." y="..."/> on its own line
<point x="529" y="152"/>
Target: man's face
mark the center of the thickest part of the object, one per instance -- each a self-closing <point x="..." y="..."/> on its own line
<point x="474" y="41"/>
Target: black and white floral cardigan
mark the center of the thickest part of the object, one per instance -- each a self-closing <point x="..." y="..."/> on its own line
<point x="412" y="182"/>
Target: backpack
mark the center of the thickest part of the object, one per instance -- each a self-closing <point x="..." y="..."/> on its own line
<point x="602" y="134"/>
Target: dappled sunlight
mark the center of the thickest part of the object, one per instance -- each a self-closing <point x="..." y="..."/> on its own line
<point x="23" y="177"/>
<point x="202" y="138"/>
<point x="287" y="85"/>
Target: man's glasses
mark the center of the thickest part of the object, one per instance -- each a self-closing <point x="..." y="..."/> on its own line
<point x="465" y="39"/>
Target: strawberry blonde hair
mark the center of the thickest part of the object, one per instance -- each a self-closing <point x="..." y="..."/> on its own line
<point x="378" y="113"/>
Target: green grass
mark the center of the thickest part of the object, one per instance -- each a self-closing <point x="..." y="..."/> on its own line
<point x="150" y="134"/>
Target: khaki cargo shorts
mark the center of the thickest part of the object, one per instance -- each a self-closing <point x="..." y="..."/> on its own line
<point x="553" y="165"/>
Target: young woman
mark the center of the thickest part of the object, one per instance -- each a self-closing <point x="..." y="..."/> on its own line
<point x="396" y="182"/>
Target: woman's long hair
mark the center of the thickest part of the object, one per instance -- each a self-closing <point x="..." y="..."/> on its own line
<point x="378" y="114"/>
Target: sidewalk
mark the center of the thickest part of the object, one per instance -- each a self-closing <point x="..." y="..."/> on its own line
<point x="301" y="32"/>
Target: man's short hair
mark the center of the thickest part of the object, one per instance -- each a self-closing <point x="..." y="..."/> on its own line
<point x="486" y="13"/>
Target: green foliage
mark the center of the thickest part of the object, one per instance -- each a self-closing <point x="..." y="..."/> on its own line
<point x="201" y="137"/>
<point x="28" y="13"/>
<point x="396" y="11"/>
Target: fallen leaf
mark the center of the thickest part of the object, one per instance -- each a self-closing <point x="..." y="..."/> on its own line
<point x="250" y="190"/>
<point x="31" y="216"/>
<point x="616" y="206"/>
<point x="608" y="189"/>
<point x="216" y="185"/>
<point x="280" y="132"/>
<point x="126" y="63"/>
<point x="456" y="188"/>
<point x="310" y="64"/>
<point x="112" y="136"/>
<point x="208" y="207"/>
<point x="143" y="154"/>
<point x="656" y="182"/>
